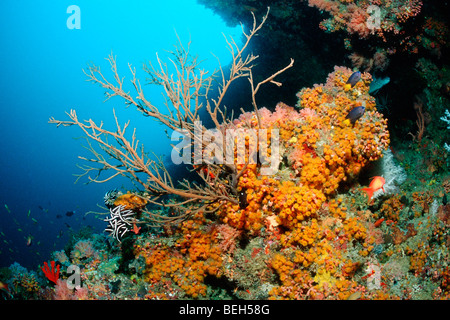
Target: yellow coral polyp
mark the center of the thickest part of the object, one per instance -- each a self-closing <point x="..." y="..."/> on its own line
<point x="323" y="277"/>
<point x="295" y="203"/>
<point x="130" y="201"/>
<point x="304" y="235"/>
<point x="186" y="263"/>
<point x="354" y="229"/>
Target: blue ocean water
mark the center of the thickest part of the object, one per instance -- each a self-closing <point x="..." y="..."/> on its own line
<point x="41" y="63"/>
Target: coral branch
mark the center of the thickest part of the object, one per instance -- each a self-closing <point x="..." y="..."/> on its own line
<point x="52" y="273"/>
<point x="187" y="91"/>
<point x="420" y="121"/>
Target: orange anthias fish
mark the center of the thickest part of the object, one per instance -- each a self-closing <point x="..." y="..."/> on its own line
<point x="377" y="183"/>
<point x="29" y="240"/>
<point x="4" y="287"/>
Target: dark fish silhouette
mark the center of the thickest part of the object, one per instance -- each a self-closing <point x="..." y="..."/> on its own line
<point x="355" y="114"/>
<point x="70" y="213"/>
<point x="243" y="199"/>
<point x="354" y="78"/>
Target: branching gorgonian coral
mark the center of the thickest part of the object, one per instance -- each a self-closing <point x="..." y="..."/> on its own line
<point x="187" y="91"/>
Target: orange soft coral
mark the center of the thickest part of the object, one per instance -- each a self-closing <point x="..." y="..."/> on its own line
<point x="130" y="201"/>
<point x="183" y="265"/>
<point x="296" y="203"/>
<point x="321" y="149"/>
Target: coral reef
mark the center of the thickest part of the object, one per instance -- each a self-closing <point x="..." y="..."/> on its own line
<point x="306" y="232"/>
<point x="391" y="26"/>
<point x="179" y="269"/>
<point x="353" y="16"/>
<point x="25" y="284"/>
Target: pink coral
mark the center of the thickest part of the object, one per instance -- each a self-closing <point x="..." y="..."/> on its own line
<point x="63" y="292"/>
<point x="352" y="15"/>
<point x="358" y="61"/>
<point x="358" y="23"/>
<point x="227" y="236"/>
<point x="329" y="6"/>
<point x="265" y="114"/>
<point x="308" y="113"/>
<point x="380" y="60"/>
<point x="282" y="113"/>
<point x="268" y="119"/>
<point x="83" y="249"/>
<point x="61" y="257"/>
<point x="295" y="157"/>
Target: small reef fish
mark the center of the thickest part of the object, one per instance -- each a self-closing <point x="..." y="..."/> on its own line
<point x="354" y="78"/>
<point x="41" y="208"/>
<point x="70" y="213"/>
<point x="377" y="84"/>
<point x="243" y="203"/>
<point x="377" y="183"/>
<point x="28" y="214"/>
<point x="354" y="115"/>
<point x="29" y="241"/>
<point x="354" y="296"/>
<point x="378" y="222"/>
<point x="7" y="209"/>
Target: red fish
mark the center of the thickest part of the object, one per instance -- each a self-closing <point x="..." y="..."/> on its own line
<point x="378" y="222"/>
<point x="377" y="183"/>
